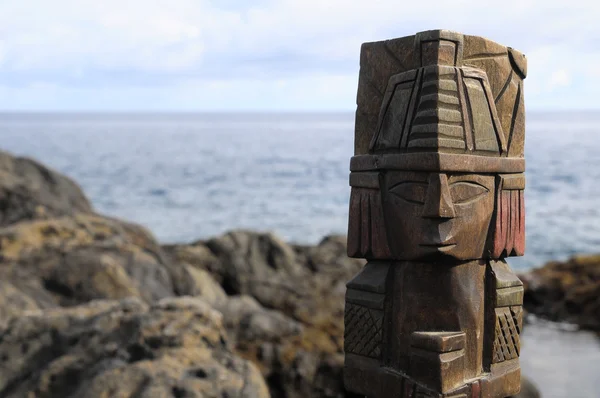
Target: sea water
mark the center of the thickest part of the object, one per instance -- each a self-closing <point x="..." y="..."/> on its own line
<point x="193" y="176"/>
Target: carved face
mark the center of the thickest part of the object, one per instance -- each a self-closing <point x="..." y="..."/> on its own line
<point x="437" y="214"/>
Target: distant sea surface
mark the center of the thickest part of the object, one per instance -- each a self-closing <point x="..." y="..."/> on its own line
<point x="192" y="176"/>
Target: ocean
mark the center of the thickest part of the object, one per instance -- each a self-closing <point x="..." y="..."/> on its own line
<point x="192" y="176"/>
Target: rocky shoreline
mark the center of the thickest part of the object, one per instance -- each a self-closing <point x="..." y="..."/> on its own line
<point x="94" y="306"/>
<point x="566" y="291"/>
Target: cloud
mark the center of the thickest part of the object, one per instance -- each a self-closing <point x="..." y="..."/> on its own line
<point x="326" y="92"/>
<point x="282" y="48"/>
<point x="559" y="78"/>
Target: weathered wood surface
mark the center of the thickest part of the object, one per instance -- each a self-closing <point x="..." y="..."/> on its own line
<point x="436" y="206"/>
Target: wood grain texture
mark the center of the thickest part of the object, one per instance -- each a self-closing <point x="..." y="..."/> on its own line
<point x="436" y="205"/>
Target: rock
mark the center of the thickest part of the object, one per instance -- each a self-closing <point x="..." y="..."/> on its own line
<point x="14" y="302"/>
<point x="287" y="316"/>
<point x="254" y="263"/>
<point x="566" y="291"/>
<point x="72" y="260"/>
<point x="296" y="341"/>
<point x="85" y="257"/>
<point x="30" y="190"/>
<point x="272" y="340"/>
<point x="249" y="322"/>
<point x="329" y="257"/>
<point x="294" y="279"/>
<point x="189" y="270"/>
<point x="202" y="284"/>
<point x="176" y="347"/>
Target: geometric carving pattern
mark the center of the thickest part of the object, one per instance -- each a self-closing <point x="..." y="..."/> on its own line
<point x="508" y="328"/>
<point x="454" y="111"/>
<point x="484" y="122"/>
<point x="366" y="236"/>
<point x="510" y="223"/>
<point x="363" y="330"/>
<point x="517" y="314"/>
<point x="438" y="121"/>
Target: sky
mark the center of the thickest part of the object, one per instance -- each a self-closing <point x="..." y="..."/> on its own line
<point x="279" y="55"/>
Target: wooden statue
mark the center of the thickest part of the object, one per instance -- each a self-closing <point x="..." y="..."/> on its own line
<point x="436" y="205"/>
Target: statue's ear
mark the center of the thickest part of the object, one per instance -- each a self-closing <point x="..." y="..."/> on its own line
<point x="509" y="225"/>
<point x="366" y="229"/>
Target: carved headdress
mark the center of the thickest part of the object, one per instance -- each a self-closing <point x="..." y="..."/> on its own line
<point x="440" y="102"/>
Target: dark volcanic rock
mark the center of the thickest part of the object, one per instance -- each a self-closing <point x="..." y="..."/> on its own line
<point x="289" y="278"/>
<point x="72" y="260"/>
<point x="176" y="347"/>
<point x="298" y="342"/>
<point x="29" y="190"/>
<point x="568" y="291"/>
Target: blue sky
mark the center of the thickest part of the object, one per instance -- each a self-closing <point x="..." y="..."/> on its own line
<point x="195" y="55"/>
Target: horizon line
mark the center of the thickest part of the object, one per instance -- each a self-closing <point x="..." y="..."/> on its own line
<point x="246" y="111"/>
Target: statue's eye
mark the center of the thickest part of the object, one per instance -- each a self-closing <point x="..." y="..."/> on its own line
<point x="464" y="192"/>
<point x="413" y="192"/>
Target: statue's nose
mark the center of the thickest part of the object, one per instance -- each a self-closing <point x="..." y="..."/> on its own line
<point x="438" y="201"/>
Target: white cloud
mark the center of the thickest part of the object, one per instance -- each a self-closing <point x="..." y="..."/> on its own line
<point x="559" y="78"/>
<point x="165" y="46"/>
<point x="303" y="93"/>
